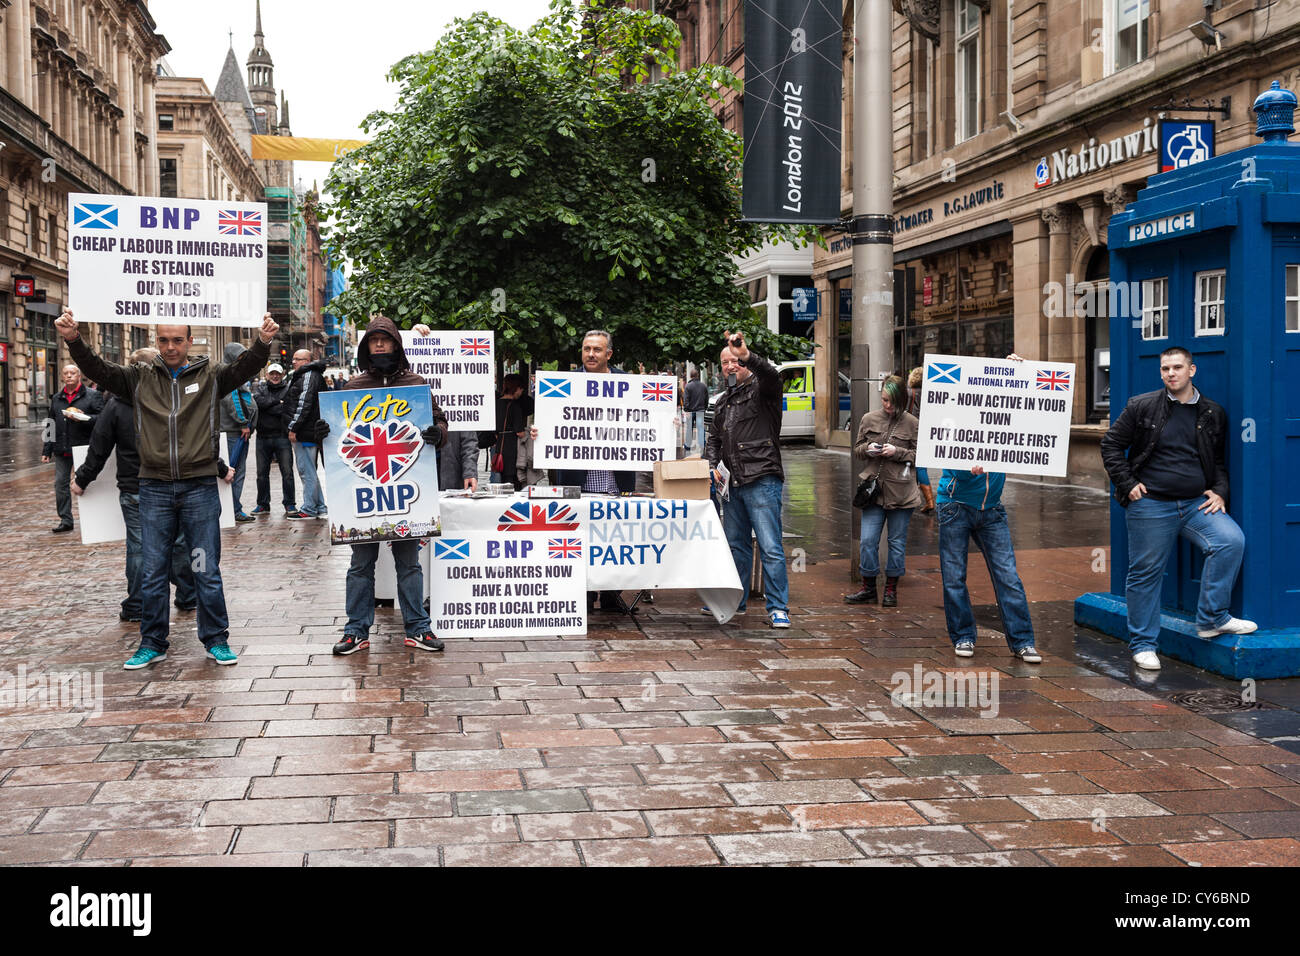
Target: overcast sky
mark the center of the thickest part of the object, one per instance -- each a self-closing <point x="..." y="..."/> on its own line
<point x="330" y="56"/>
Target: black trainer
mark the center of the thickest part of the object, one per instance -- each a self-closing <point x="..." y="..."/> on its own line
<point x="865" y="595"/>
<point x="350" y="644"/>
<point x="425" y="641"/>
<point x="61" y="529"/>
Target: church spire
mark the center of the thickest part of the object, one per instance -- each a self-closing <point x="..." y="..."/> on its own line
<point x="257" y="33"/>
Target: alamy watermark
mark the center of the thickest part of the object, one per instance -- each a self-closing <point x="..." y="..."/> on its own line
<point x="64" y="690"/>
<point x="932" y="688"/>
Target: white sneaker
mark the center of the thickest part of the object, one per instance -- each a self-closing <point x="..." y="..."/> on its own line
<point x="964" y="649"/>
<point x="1147" y="660"/>
<point x="1231" y="626"/>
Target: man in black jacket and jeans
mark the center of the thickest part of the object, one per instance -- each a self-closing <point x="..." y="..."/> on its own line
<point x="303" y="404"/>
<point x="1174" y="481"/>
<point x="73" y="411"/>
<point x="746" y="437"/>
<point x="273" y="440"/>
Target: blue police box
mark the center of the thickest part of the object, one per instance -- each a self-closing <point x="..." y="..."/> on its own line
<point x="1211" y="253"/>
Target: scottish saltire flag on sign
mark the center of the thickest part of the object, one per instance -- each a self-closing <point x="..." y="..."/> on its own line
<point x="451" y="549"/>
<point x="1054" y="381"/>
<point x="536" y="516"/>
<point x="656" y="392"/>
<point x="941" y="373"/>
<point x="553" y="388"/>
<point x="238" y="222"/>
<point x="564" y="548"/>
<point x="381" y="479"/>
<point x="605" y="420"/>
<point x="459" y="367"/>
<point x="94" y="216"/>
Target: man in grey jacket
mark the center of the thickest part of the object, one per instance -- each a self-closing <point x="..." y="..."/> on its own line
<point x="238" y="420"/>
<point x="458" y="462"/>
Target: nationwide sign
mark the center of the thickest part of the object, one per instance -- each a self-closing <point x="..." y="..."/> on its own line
<point x="1094" y="155"/>
<point x="153" y="261"/>
<point x="793" y="82"/>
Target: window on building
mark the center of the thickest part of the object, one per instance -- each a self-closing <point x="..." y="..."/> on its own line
<point x="139" y="337"/>
<point x="945" y="287"/>
<point x="1155" y="308"/>
<point x="1210" y="286"/>
<point x="968" y="69"/>
<point x="166" y="122"/>
<point x="4" y="215"/>
<point x="52" y="245"/>
<point x="167" y="177"/>
<point x="1001" y="277"/>
<point x="1293" y="298"/>
<point x="1128" y="33"/>
<point x="4" y="317"/>
<point x="967" y="283"/>
<point x="33" y="228"/>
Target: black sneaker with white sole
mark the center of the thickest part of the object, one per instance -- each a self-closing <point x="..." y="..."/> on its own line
<point x="351" y="643"/>
<point x="426" y="642"/>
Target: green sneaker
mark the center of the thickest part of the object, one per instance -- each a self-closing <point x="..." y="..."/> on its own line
<point x="222" y="654"/>
<point x="143" y="658"/>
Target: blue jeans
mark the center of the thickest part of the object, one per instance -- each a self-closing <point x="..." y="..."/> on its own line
<point x="410" y="588"/>
<point x="181" y="575"/>
<point x="1153" y="527"/>
<point x="756" y="507"/>
<point x="278" y="449"/>
<point x="958" y="524"/>
<point x="312" y="502"/>
<point x="234" y="440"/>
<point x="193" y="508"/>
<point x="874" y="519"/>
<point x="696" y="425"/>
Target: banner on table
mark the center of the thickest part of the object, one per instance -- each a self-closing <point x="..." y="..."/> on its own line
<point x="153" y="261"/>
<point x="613" y="422"/>
<point x="459" y="369"/>
<point x="382" y="478"/>
<point x="99" y="510"/>
<point x="509" y="583"/>
<point x="793" y="86"/>
<point x="1005" y="415"/>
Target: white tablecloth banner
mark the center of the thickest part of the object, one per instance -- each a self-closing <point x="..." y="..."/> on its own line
<point x="633" y="544"/>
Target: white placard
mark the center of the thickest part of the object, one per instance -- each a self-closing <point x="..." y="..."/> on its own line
<point x="1008" y="416"/>
<point x="459" y="367"/>
<point x="610" y="422"/>
<point x="509" y="584"/>
<point x="152" y="261"/>
<point x="99" y="511"/>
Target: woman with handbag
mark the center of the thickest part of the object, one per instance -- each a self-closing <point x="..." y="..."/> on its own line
<point x="914" y="386"/>
<point x="887" y="492"/>
<point x="511" y="424"/>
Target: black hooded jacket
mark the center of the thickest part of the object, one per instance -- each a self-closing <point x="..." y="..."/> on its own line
<point x="370" y="377"/>
<point x="302" y="400"/>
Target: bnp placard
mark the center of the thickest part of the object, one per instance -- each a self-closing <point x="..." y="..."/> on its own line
<point x="1006" y="415"/>
<point x="458" y="367"/>
<point x="381" y="479"/>
<point x="606" y="421"/>
<point x="154" y="261"/>
<point x="510" y="583"/>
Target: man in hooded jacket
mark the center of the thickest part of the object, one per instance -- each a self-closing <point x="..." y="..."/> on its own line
<point x="238" y="420"/>
<point x="383" y="364"/>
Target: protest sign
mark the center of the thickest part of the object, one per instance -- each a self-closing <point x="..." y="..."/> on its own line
<point x="155" y="261"/>
<point x="459" y="369"/>
<point x="509" y="583"/>
<point x="382" y="479"/>
<point x="613" y="422"/>
<point x="99" y="510"/>
<point x="1008" y="416"/>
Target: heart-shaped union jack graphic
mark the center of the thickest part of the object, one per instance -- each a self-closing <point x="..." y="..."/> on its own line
<point x="381" y="453"/>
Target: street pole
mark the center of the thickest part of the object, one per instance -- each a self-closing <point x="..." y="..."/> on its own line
<point x="872" y="336"/>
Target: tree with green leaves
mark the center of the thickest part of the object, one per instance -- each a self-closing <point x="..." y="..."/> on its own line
<point x="544" y="182"/>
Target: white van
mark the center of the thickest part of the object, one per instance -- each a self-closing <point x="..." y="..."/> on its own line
<point x="799" y="399"/>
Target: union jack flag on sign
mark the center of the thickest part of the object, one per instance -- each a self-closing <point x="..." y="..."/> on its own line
<point x="381" y="453"/>
<point x="656" y="392"/>
<point x="564" y="548"/>
<point x="1054" y="381"/>
<point x="528" y="516"/>
<point x="235" y="222"/>
<point x="474" y="346"/>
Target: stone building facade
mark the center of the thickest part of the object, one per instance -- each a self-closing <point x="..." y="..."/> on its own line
<point x="76" y="115"/>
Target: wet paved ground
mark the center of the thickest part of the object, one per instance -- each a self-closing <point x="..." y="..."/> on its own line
<point x="668" y="740"/>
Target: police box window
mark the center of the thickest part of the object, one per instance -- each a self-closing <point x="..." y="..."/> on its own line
<point x="1210" y="319"/>
<point x="1155" y="308"/>
<point x="1293" y="298"/>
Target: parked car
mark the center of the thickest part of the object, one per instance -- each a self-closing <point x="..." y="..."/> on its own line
<point x="799" y="400"/>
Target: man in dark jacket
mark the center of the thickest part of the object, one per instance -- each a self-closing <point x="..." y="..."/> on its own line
<point x="458" y="461"/>
<point x="115" y="431"/>
<point x="695" y="405"/>
<point x="73" y="411"/>
<point x="1174" y="482"/>
<point x="383" y="364"/>
<point x="273" y="441"/>
<point x="746" y="436"/>
<point x="175" y="402"/>
<point x="238" y="421"/>
<point x="303" y="403"/>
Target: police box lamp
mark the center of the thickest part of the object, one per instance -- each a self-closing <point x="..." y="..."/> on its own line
<point x="1274" y="114"/>
<point x="24" y="286"/>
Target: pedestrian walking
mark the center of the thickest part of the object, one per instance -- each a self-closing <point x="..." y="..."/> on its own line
<point x="273" y="443"/>
<point x="73" y="411"/>
<point x="914" y="387"/>
<point x="238" y="420"/>
<point x="303" y="402"/>
<point x="695" y="404"/>
<point x="888" y="492"/>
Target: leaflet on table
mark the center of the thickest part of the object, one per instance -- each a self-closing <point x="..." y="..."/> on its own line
<point x="459" y="369"/>
<point x="382" y="478"/>
<point x="509" y="583"/>
<point x="1007" y="415"/>
<point x="610" y="421"/>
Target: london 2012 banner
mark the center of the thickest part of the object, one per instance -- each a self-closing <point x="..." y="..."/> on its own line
<point x="381" y="480"/>
<point x="153" y="261"/>
<point x="793" y="83"/>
